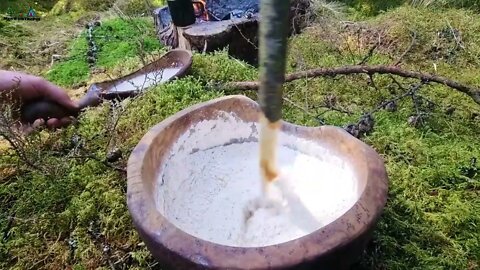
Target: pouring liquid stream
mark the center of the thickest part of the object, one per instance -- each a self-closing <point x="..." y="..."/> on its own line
<point x="272" y="55"/>
<point x="268" y="152"/>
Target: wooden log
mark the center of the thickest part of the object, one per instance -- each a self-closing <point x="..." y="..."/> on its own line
<point x="168" y="36"/>
<point x="238" y="34"/>
<point x="216" y="33"/>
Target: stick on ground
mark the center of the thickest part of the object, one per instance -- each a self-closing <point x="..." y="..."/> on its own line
<point x="473" y="92"/>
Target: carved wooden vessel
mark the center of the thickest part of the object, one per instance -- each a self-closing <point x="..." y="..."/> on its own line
<point x="335" y="246"/>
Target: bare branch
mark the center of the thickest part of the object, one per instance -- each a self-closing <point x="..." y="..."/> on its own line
<point x="414" y="40"/>
<point x="473" y="92"/>
<point x="304" y="110"/>
<point x="411" y="92"/>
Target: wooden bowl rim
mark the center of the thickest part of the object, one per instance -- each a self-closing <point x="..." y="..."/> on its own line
<point x="154" y="228"/>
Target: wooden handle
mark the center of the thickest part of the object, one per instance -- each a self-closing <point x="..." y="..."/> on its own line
<point x="47" y="109"/>
<point x="44" y="109"/>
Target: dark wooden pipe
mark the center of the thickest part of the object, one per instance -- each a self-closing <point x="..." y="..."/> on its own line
<point x="272" y="54"/>
<point x="47" y="109"/>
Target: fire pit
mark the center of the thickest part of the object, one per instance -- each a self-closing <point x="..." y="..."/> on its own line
<point x="217" y="24"/>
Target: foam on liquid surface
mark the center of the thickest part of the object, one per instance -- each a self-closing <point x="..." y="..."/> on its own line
<point x="212" y="177"/>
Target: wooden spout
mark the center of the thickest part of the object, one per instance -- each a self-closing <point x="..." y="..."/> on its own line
<point x="272" y="55"/>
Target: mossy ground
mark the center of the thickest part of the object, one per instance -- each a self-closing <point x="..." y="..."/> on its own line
<point x="72" y="211"/>
<point x="22" y="6"/>
<point x="117" y="39"/>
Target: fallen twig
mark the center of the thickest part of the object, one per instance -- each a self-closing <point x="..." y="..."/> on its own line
<point x="368" y="55"/>
<point x="411" y="92"/>
<point x="473" y="92"/>
<point x="304" y="110"/>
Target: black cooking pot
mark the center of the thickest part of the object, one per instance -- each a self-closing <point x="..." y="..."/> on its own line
<point x="182" y="12"/>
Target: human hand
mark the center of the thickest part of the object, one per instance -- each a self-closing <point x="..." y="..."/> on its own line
<point x="18" y="88"/>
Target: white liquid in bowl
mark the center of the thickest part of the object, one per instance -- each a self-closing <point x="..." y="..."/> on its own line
<point x="144" y="81"/>
<point x="210" y="180"/>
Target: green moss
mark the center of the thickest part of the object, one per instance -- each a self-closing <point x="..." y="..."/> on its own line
<point x="368" y="8"/>
<point x="219" y="67"/>
<point x="116" y="39"/>
<point x="97" y="5"/>
<point x="372" y="7"/>
<point x="68" y="73"/>
<point x="23" y="6"/>
<point x="430" y="219"/>
<point x="471" y="4"/>
<point x="124" y="39"/>
<point x="138" y="7"/>
<point x="65" y="213"/>
<point x="73" y="70"/>
<point x="159" y="104"/>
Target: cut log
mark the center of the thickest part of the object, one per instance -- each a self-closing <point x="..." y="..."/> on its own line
<point x="238" y="34"/>
<point x="216" y="33"/>
<point x="168" y="36"/>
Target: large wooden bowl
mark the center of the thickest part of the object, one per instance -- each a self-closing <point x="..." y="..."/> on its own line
<point x="335" y="246"/>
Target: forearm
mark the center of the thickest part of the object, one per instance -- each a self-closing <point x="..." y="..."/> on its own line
<point x="6" y="85"/>
<point x="16" y="86"/>
<point x="9" y="82"/>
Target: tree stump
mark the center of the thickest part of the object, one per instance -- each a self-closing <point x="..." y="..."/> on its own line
<point x="238" y="34"/>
